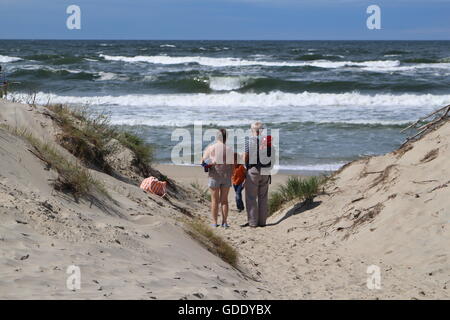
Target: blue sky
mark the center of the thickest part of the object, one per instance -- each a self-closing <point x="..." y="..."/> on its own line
<point x="226" y="19"/>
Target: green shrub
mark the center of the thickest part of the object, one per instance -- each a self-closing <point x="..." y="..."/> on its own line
<point x="309" y="188"/>
<point x="294" y="188"/>
<point x="275" y="202"/>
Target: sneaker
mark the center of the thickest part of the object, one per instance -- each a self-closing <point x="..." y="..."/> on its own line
<point x="225" y="225"/>
<point x="214" y="225"/>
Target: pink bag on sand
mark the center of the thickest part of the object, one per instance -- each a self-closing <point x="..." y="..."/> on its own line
<point x="153" y="185"/>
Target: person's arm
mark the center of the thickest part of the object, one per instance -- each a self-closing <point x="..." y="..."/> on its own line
<point x="206" y="153"/>
<point x="245" y="157"/>
<point x="209" y="154"/>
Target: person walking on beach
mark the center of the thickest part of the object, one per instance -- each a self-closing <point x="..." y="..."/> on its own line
<point x="257" y="179"/>
<point x="238" y="179"/>
<point x="219" y="158"/>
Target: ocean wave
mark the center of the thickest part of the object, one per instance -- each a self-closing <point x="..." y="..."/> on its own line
<point x="134" y="121"/>
<point x="357" y="123"/>
<point x="237" y="62"/>
<point x="420" y="60"/>
<point x="267" y="100"/>
<point x="228" y="83"/>
<point x="192" y="82"/>
<point x="7" y="59"/>
<point x="310" y="167"/>
<point x="409" y="68"/>
<point x="40" y="72"/>
<point x="55" y="59"/>
<point x="313" y="57"/>
<point x="396" y="52"/>
<point x="106" y="76"/>
<point x="167" y="46"/>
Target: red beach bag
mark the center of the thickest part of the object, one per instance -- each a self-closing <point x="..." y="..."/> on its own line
<point x="153" y="185"/>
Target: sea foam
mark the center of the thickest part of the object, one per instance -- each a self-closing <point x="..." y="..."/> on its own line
<point x="238" y="62"/>
<point x="271" y="99"/>
<point x="6" y="59"/>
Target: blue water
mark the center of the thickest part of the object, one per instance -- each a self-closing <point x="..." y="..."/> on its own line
<point x="333" y="101"/>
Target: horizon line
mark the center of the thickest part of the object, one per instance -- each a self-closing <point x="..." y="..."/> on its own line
<point x="99" y="39"/>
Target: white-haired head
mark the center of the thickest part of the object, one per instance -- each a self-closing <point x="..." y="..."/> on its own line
<point x="257" y="127"/>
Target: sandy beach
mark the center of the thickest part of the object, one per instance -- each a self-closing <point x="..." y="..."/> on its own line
<point x="388" y="212"/>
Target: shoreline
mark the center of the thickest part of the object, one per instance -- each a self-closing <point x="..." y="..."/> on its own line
<point x="188" y="174"/>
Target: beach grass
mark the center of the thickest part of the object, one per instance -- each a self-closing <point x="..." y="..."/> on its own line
<point x="204" y="192"/>
<point x="295" y="188"/>
<point x="87" y="135"/>
<point x="72" y="177"/>
<point x="143" y="151"/>
<point x="204" y="234"/>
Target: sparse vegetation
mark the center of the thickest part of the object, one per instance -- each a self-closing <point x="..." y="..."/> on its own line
<point x="204" y="192"/>
<point x="72" y="177"/>
<point x="213" y="242"/>
<point x="295" y="188"/>
<point x="87" y="135"/>
<point x="143" y="151"/>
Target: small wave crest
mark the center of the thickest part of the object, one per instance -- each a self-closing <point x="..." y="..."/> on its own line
<point x="265" y="100"/>
<point x="237" y="62"/>
<point x="7" y="59"/>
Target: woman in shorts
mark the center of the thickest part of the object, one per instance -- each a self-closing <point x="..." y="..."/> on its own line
<point x="221" y="159"/>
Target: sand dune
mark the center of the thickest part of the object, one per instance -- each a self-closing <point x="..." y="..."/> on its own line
<point x="391" y="211"/>
<point x="129" y="248"/>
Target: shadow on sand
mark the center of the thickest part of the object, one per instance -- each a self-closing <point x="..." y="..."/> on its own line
<point x="297" y="209"/>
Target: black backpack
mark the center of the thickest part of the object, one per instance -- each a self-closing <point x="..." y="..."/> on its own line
<point x="258" y="160"/>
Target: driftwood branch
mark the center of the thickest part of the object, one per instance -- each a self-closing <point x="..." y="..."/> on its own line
<point x="434" y="119"/>
<point x="413" y="125"/>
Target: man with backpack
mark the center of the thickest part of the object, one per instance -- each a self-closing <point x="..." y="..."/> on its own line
<point x="257" y="157"/>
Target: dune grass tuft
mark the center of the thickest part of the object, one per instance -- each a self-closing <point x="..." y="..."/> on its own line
<point x="295" y="188"/>
<point x="86" y="135"/>
<point x="143" y="151"/>
<point x="204" y="192"/>
<point x="72" y="177"/>
<point x="201" y="232"/>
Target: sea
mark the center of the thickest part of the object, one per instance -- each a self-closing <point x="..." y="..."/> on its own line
<point x="332" y="101"/>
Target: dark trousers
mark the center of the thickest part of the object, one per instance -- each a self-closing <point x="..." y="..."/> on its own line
<point x="238" y="190"/>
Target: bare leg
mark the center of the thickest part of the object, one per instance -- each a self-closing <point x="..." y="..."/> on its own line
<point x="224" y="203"/>
<point x="215" y="199"/>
